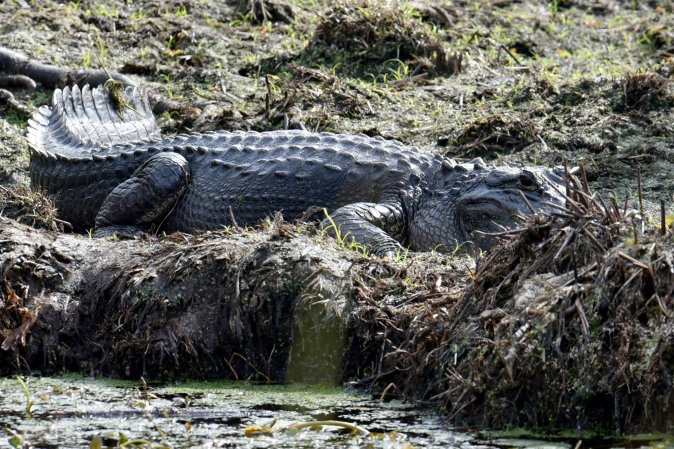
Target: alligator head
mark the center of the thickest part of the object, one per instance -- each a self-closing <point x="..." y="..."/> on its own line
<point x="481" y="202"/>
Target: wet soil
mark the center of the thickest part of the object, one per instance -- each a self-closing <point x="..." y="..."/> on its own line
<point x="581" y="82"/>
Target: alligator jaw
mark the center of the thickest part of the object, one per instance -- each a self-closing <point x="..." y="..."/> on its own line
<point x="479" y="219"/>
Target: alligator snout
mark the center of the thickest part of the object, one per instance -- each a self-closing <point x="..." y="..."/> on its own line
<point x="505" y="199"/>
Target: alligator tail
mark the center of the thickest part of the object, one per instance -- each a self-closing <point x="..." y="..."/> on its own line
<point x="80" y="118"/>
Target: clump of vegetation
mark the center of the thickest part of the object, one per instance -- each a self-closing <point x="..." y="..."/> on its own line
<point x="659" y="35"/>
<point x="496" y="134"/>
<point x="375" y="32"/>
<point x="314" y="98"/>
<point x="26" y="206"/>
<point x="263" y="11"/>
<point x="643" y="91"/>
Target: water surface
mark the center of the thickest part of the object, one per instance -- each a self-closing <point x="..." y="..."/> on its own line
<point x="73" y="411"/>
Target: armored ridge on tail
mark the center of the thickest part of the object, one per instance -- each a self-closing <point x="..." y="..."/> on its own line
<point x="110" y="170"/>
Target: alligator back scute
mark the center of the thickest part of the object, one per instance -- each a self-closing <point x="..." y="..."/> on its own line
<point x="83" y="121"/>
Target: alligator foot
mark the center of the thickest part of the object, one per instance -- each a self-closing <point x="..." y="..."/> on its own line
<point x="21" y="81"/>
<point x="143" y="201"/>
<point x="15" y="81"/>
<point x="119" y="232"/>
<point x="371" y="225"/>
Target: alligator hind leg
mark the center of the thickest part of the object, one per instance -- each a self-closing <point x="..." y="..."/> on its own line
<point x="373" y="225"/>
<point x="141" y="202"/>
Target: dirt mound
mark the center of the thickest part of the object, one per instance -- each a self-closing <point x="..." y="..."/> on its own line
<point x="493" y="135"/>
<point x="643" y="91"/>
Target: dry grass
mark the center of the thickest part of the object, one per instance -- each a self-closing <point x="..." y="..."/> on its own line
<point x="314" y="98"/>
<point x="643" y="91"/>
<point x="496" y="134"/>
<point x="21" y="203"/>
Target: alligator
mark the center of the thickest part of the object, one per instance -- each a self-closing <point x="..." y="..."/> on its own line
<point x="108" y="168"/>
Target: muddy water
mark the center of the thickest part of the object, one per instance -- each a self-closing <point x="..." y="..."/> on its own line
<point x="74" y="411"/>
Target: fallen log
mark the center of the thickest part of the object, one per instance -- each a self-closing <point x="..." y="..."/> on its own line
<point x="52" y="76"/>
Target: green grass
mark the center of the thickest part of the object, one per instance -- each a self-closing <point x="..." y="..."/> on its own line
<point x="343" y="240"/>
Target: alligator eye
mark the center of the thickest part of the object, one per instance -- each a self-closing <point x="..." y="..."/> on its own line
<point x="527" y="180"/>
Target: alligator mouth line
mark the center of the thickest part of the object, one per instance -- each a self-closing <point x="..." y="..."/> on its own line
<point x="497" y="220"/>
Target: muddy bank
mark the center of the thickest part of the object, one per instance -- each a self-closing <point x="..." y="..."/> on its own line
<point x="184" y="307"/>
<point x="568" y="324"/>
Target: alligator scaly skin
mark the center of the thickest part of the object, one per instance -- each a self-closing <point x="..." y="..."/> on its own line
<point x="383" y="193"/>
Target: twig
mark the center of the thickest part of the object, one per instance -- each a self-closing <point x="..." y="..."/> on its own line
<point x="503" y="47"/>
<point x="223" y="89"/>
<point x="625" y="284"/>
<point x="235" y="225"/>
<point x="583" y="179"/>
<point x="634" y="261"/>
<point x="567" y="240"/>
<point x="589" y="200"/>
<point x="267" y="98"/>
<point x="503" y="233"/>
<point x="526" y="201"/>
<point x="575" y="266"/>
<point x="663" y="221"/>
<point x="586" y="272"/>
<point x="640" y="192"/>
<point x="593" y="239"/>
<point x="569" y="201"/>
<point x="257" y="371"/>
<point x="566" y="178"/>
<point x="616" y="208"/>
<point x="607" y="211"/>
<point x="662" y="307"/>
<point x="557" y="207"/>
<point x="386" y="390"/>
<point x="583" y="319"/>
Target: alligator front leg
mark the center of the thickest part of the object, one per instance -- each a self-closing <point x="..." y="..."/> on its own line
<point x="141" y="202"/>
<point x="373" y="225"/>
